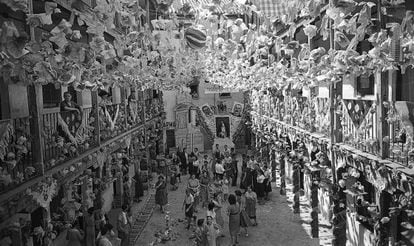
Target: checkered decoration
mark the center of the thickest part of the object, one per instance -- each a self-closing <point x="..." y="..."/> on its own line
<point x="272" y="9"/>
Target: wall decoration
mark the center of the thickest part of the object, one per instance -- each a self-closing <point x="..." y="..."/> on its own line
<point x="181" y="120"/>
<point x="44" y="191"/>
<point x="207" y="110"/>
<point x="223" y="127"/>
<point x="221" y="107"/>
<point x="237" y="109"/>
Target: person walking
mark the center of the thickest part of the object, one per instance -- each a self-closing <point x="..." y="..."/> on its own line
<point x="124" y="225"/>
<point x="161" y="195"/>
<point x="235" y="171"/>
<point x="212" y="232"/>
<point x="188" y="206"/>
<point x="251" y="200"/>
<point x="244" y="218"/>
<point x="267" y="182"/>
<point x="90" y="227"/>
<point x="218" y="205"/>
<point x="260" y="186"/>
<point x="74" y="235"/>
<point x="194" y="187"/>
<point x="201" y="233"/>
<point x="233" y="211"/>
<point x="139" y="188"/>
<point x="219" y="170"/>
<point x="204" y="182"/>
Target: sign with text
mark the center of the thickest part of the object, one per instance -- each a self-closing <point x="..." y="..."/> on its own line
<point x="213" y="89"/>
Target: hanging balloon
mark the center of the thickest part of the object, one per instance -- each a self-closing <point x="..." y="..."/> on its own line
<point x="195" y="38"/>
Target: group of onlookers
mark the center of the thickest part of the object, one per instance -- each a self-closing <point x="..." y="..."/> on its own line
<point x="208" y="187"/>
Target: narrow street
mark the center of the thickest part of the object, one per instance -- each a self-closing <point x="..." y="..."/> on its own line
<point x="277" y="225"/>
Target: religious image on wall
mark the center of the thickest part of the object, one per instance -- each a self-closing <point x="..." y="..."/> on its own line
<point x="221" y="107"/>
<point x="237" y="109"/>
<point x="207" y="110"/>
<point x="223" y="127"/>
<point x="181" y="120"/>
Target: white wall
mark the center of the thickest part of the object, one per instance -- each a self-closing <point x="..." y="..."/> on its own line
<point x="170" y="101"/>
<point x="18" y="101"/>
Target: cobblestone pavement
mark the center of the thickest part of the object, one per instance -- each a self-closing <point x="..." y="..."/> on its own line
<point x="277" y="224"/>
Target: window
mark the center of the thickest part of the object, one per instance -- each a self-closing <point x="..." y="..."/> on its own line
<point x="51" y="96"/>
<point x="225" y="95"/>
<point x="365" y="85"/>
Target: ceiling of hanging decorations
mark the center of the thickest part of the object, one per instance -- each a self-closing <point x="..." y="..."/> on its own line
<point x="173" y="56"/>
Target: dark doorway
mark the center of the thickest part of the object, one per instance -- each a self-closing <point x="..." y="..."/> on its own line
<point x="170" y="138"/>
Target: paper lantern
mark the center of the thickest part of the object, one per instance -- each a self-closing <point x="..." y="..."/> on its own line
<point x="195" y="38"/>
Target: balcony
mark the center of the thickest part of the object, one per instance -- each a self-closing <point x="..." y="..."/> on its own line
<point x="67" y="134"/>
<point x="17" y="165"/>
<point x="400" y="118"/>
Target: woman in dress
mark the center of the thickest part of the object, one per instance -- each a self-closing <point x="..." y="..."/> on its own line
<point x="194" y="187"/>
<point x="90" y="227"/>
<point x="161" y="193"/>
<point x="212" y="231"/>
<point x="218" y="205"/>
<point x="233" y="211"/>
<point x="267" y="182"/>
<point x="260" y="186"/>
<point x="74" y="235"/>
<point x="188" y="206"/>
<point x="251" y="200"/>
<point x="244" y="222"/>
<point x="204" y="181"/>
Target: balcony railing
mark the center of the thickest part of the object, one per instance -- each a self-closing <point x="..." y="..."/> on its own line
<point x="359" y="125"/>
<point x="112" y="120"/>
<point x="400" y="142"/>
<point x="17" y="165"/>
<point x="67" y="134"/>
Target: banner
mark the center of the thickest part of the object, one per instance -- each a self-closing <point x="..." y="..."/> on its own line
<point x="213" y="89"/>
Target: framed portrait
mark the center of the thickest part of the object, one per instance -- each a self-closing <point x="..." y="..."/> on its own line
<point x="237" y="109"/>
<point x="223" y="127"/>
<point x="207" y="111"/>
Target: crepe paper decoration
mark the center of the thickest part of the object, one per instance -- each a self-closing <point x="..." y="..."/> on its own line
<point x="112" y="121"/>
<point x="16" y="5"/>
<point x="341" y="39"/>
<point x="310" y="31"/>
<point x="44" y="191"/>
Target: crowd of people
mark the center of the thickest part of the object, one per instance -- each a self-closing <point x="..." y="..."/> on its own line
<point x="208" y="187"/>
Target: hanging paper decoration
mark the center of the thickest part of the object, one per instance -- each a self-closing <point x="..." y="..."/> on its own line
<point x="357" y="110"/>
<point x="196" y="39"/>
<point x="44" y="191"/>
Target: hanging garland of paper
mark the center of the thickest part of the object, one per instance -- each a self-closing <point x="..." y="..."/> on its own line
<point x="109" y="118"/>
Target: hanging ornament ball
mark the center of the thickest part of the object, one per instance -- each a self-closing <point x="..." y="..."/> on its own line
<point x="195" y="38"/>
